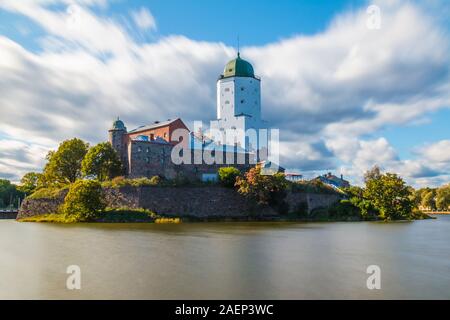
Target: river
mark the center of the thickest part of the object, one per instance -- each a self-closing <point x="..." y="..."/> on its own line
<point x="226" y="260"/>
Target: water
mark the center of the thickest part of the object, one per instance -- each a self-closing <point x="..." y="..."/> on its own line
<point x="226" y="260"/>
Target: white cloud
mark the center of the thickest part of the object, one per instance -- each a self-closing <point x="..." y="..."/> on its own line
<point x="437" y="152"/>
<point x="144" y="19"/>
<point x="323" y="91"/>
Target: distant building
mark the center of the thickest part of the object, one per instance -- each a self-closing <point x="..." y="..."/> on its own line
<point x="293" y="177"/>
<point x="269" y="167"/>
<point x="333" y="180"/>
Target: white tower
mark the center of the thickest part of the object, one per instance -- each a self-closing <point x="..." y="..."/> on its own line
<point x="238" y="101"/>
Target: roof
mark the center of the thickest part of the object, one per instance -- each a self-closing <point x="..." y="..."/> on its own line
<point x="156" y="124"/>
<point x="238" y="68"/>
<point x="157" y="140"/>
<point x="268" y="167"/>
<point x="197" y="143"/>
<point x="118" y="125"/>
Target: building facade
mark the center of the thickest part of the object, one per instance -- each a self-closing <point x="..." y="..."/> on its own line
<point x="239" y="104"/>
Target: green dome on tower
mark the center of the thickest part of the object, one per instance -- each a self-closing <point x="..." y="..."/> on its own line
<point x="238" y="68"/>
<point x="118" y="125"/>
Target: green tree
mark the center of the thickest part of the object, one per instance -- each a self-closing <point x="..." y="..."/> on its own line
<point x="389" y="194"/>
<point x="9" y="195"/>
<point x="101" y="162"/>
<point x="372" y="174"/>
<point x="29" y="182"/>
<point x="84" y="201"/>
<point x="228" y="175"/>
<point x="264" y="189"/>
<point x="64" y="164"/>
<point x="443" y="198"/>
<point x="356" y="198"/>
<point x="428" y="200"/>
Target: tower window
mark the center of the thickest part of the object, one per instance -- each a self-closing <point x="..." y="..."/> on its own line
<point x="242" y="101"/>
<point x="227" y="89"/>
<point x="227" y="102"/>
<point x="242" y="88"/>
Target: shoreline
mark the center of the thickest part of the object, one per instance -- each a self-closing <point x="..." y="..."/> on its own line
<point x="57" y="218"/>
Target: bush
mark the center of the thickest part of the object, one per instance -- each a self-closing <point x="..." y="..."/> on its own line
<point x="84" y="201"/>
<point x="264" y="189"/>
<point x="313" y="186"/>
<point x="228" y="175"/>
<point x="155" y="180"/>
<point x="120" y="181"/>
<point x="344" y="208"/>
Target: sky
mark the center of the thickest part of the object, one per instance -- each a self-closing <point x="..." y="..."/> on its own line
<point x="345" y="95"/>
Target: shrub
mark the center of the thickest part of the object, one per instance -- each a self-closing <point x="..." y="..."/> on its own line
<point x="264" y="189"/>
<point x="313" y="186"/>
<point x="120" y="181"/>
<point x="84" y="201"/>
<point x="228" y="175"/>
<point x="344" y="208"/>
<point x="155" y="180"/>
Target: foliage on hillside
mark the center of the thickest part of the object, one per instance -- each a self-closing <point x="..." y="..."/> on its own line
<point x="264" y="189"/>
<point x="433" y="198"/>
<point x="84" y="201"/>
<point x="121" y="181"/>
<point x="64" y="164"/>
<point x="9" y="194"/>
<point x="101" y="162"/>
<point x="228" y="175"/>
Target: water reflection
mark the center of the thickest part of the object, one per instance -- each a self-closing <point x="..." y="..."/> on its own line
<point x="226" y="260"/>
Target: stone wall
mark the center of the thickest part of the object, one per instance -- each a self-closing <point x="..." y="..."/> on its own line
<point x="33" y="207"/>
<point x="206" y="201"/>
<point x="312" y="200"/>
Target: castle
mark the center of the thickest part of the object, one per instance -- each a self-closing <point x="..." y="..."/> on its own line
<point x="148" y="150"/>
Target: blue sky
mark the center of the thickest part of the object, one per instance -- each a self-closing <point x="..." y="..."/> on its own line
<point x="344" y="97"/>
<point x="255" y="22"/>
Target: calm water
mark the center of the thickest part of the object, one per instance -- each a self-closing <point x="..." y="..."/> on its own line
<point x="226" y="260"/>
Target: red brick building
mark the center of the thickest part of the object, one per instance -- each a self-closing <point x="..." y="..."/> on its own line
<point x="146" y="151"/>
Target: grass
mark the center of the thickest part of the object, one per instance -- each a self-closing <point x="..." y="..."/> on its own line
<point x="126" y="215"/>
<point x="167" y="220"/>
<point x="121" y="215"/>
<point x="47" y="193"/>
<point x="51" y="217"/>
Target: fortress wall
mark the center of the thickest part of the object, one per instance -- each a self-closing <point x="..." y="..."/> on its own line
<point x="313" y="200"/>
<point x="207" y="201"/>
<point x="33" y="207"/>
